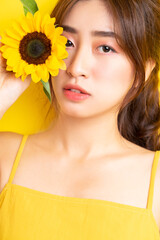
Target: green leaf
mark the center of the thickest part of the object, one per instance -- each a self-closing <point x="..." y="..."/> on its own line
<point x="29" y="6"/>
<point x="47" y="90"/>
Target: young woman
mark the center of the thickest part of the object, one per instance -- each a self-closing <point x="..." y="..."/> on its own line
<point x="95" y="173"/>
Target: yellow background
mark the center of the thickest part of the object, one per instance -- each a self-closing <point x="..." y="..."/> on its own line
<point x="28" y="113"/>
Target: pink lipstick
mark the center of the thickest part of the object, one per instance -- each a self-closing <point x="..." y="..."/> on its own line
<point x="75" y="92"/>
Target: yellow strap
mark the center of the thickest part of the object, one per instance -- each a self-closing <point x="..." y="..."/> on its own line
<point x="16" y="162"/>
<point x="152" y="180"/>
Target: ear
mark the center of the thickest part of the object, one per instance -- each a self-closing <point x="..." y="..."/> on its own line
<point x="150" y="64"/>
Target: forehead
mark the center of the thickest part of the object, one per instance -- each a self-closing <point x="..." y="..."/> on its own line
<point x="89" y="14"/>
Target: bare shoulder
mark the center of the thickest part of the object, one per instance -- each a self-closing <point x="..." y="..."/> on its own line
<point x="9" y="145"/>
<point x="148" y="157"/>
<point x="8" y="142"/>
<point x="138" y="152"/>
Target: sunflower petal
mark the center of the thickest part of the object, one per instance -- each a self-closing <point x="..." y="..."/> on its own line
<point x="63" y="65"/>
<point x="45" y="21"/>
<point x="17" y="74"/>
<point x="9" y="51"/>
<point x="29" y="68"/>
<point x="8" y="68"/>
<point x="54" y="34"/>
<point x="30" y="25"/>
<point x="37" y="21"/>
<point x="16" y="67"/>
<point x="10" y="42"/>
<point x="62" y="40"/>
<point x="18" y="29"/>
<point x="59" y="30"/>
<point x="53" y="20"/>
<point x="3" y="48"/>
<point x="30" y="21"/>
<point x="54" y="72"/>
<point x="52" y="62"/>
<point x="25" y="25"/>
<point x="60" y="51"/>
<point x="24" y="77"/>
<point x="29" y="15"/>
<point x="49" y="30"/>
<point x="13" y="59"/>
<point x="35" y="77"/>
<point x="11" y="33"/>
<point x="20" y="68"/>
<point x="44" y="73"/>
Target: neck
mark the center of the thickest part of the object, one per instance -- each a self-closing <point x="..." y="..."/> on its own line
<point x="86" y="137"/>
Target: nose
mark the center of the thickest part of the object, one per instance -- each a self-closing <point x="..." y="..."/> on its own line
<point x="79" y="64"/>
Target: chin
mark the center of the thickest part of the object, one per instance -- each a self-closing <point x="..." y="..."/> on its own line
<point x="74" y="113"/>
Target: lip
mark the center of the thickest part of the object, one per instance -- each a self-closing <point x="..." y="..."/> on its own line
<point x="73" y="86"/>
<point x="75" y="96"/>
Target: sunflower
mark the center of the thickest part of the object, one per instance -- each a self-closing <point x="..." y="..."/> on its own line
<point x="34" y="45"/>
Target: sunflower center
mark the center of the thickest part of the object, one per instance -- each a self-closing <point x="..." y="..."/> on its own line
<point x="35" y="48"/>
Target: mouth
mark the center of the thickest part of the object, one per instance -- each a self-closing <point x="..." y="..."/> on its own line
<point x="75" y="92"/>
<point x="75" y="88"/>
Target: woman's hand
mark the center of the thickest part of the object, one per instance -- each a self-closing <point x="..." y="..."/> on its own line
<point x="10" y="87"/>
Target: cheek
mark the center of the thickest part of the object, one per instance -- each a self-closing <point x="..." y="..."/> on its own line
<point x="59" y="78"/>
<point x="115" y="74"/>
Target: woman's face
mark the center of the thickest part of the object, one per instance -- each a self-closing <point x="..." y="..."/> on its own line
<point x="95" y="63"/>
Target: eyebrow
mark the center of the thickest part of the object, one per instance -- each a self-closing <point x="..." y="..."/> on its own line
<point x="93" y="33"/>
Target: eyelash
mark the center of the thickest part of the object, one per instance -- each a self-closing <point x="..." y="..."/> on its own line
<point x="67" y="43"/>
<point x="108" y="47"/>
<point x="102" y="46"/>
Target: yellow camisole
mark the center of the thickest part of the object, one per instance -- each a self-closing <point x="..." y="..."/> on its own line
<point x="27" y="214"/>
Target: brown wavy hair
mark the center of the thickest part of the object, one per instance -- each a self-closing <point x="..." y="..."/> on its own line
<point x="137" y="22"/>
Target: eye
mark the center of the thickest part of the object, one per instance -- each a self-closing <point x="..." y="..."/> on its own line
<point x="69" y="43"/>
<point x="106" y="49"/>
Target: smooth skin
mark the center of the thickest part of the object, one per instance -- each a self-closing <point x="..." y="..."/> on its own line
<point x="82" y="154"/>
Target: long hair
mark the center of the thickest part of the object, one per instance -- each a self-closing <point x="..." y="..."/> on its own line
<point x="137" y="22"/>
